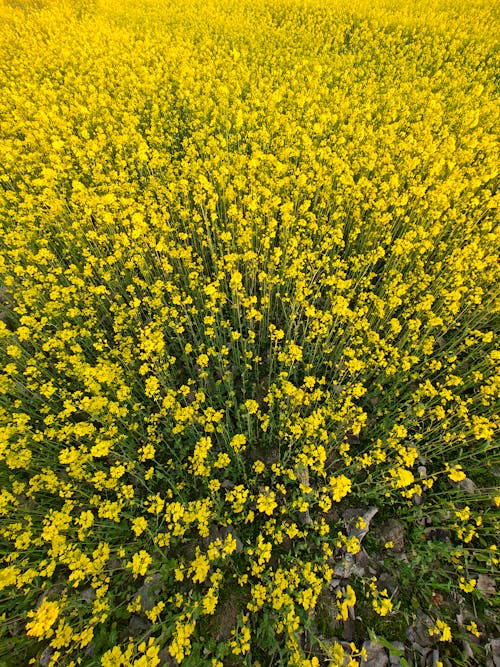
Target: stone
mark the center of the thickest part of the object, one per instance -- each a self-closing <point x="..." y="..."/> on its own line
<point x="467" y="486"/>
<point x="486" y="585"/>
<point x="393" y="531"/>
<point x="494" y="647"/>
<point x="347" y="566"/>
<point x="166" y="659"/>
<point x="305" y="518"/>
<point x="46" y="656"/>
<point x="418" y="632"/>
<point x="438" y="534"/>
<point x="395" y="660"/>
<point x="352" y="516"/>
<point x="432" y="659"/>
<point x="138" y="625"/>
<point x="362" y="560"/>
<point x="387" y="581"/>
<point x="349" y="628"/>
<point x="376" y="655"/>
<point x="149" y="591"/>
<point x="87" y="595"/>
<point x="468" y="652"/>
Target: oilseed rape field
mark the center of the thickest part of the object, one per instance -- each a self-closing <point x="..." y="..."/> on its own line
<point x="248" y="333"/>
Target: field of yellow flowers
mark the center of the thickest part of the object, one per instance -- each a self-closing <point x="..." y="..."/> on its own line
<point x="248" y="302"/>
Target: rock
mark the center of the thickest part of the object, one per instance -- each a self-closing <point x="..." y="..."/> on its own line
<point x="393" y="531"/>
<point x="387" y="581"/>
<point x="467" y="486"/>
<point x="166" y="659"/>
<point x="346" y="567"/>
<point x="138" y="625"/>
<point x="438" y="534"/>
<point x="326" y="614"/>
<point x="423" y="650"/>
<point x="468" y="652"/>
<point x="486" y="585"/>
<point x="402" y="557"/>
<point x="89" y="650"/>
<point x="305" y="518"/>
<point x="349" y="628"/>
<point x="116" y="564"/>
<point x="149" y="591"/>
<point x="351" y="517"/>
<point x="395" y="660"/>
<point x="352" y="438"/>
<point x="376" y="655"/>
<point x="418" y="633"/>
<point x="417" y="652"/>
<point x="432" y="659"/>
<point x="362" y="560"/>
<point x="16" y="627"/>
<point x="224" y="618"/>
<point x="87" y="595"/>
<point x="46" y="656"/>
<point x="494" y="647"/>
<point x="221" y="533"/>
<point x="351" y="514"/>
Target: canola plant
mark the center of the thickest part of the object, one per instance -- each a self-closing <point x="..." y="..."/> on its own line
<point x="248" y="284"/>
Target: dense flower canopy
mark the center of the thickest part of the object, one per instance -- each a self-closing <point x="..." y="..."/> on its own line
<point x="248" y="285"/>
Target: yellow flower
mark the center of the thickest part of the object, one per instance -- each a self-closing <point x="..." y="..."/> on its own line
<point x="139" y="525"/>
<point x="203" y="360"/>
<point x="401" y="477"/>
<point x="43" y="619"/>
<point x="238" y="442"/>
<point x="456" y="473"/>
<point x="181" y="643"/>
<point x="259" y="466"/>
<point x="222" y="460"/>
<point x="266" y="502"/>
<point x="467" y="585"/>
<point x="140" y="563"/>
<point x="340" y="487"/>
<point x="200" y="567"/>
<point x="251" y="406"/>
<point x="383" y="606"/>
<point x="8" y="576"/>
<point x="147" y="452"/>
<point x="214" y="485"/>
<point x="442" y="630"/>
<point x="473" y="629"/>
<point x="345" y="601"/>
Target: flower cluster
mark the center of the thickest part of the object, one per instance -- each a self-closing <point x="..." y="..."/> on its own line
<point x="248" y="274"/>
